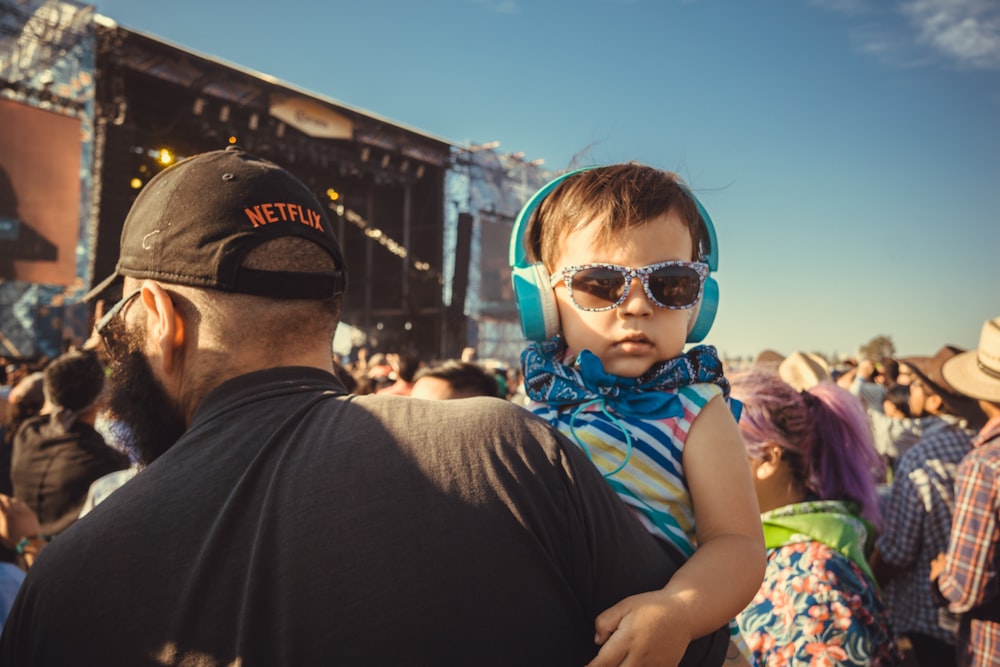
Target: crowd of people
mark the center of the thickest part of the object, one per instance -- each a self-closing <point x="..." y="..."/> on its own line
<point x="203" y="483"/>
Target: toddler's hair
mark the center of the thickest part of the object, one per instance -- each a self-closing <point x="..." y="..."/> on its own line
<point x="823" y="433"/>
<point x="620" y="197"/>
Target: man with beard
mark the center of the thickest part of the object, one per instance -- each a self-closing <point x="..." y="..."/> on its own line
<point x="281" y="521"/>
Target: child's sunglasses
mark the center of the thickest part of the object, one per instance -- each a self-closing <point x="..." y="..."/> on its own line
<point x="595" y="287"/>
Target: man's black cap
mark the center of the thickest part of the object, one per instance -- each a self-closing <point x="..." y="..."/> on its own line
<point x="195" y="221"/>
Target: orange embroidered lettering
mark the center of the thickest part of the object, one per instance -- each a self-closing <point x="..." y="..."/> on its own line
<point x="281" y="207"/>
<point x="294" y="212"/>
<point x="256" y="219"/>
<point x="269" y="212"/>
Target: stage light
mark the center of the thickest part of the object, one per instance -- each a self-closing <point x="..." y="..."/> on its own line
<point x="365" y="152"/>
<point x="385" y="160"/>
<point x="232" y="139"/>
<point x="332" y="194"/>
<point x="135" y="183"/>
<point x="165" y="157"/>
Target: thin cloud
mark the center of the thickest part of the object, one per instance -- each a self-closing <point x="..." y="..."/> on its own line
<point x="967" y="31"/>
<point x="964" y="33"/>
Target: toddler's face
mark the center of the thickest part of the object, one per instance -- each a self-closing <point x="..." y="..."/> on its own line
<point x="638" y="333"/>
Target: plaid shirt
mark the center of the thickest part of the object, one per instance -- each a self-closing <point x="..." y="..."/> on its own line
<point x="917" y="524"/>
<point x="971" y="577"/>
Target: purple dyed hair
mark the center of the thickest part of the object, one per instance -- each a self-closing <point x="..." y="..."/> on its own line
<point x="825" y="430"/>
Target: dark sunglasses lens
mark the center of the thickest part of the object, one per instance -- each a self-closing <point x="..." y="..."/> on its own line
<point x="675" y="286"/>
<point x="597" y="287"/>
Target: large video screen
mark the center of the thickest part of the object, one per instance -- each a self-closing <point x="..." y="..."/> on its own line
<point x="39" y="194"/>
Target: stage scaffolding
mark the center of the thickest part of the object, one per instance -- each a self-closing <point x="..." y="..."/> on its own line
<point x="424" y="221"/>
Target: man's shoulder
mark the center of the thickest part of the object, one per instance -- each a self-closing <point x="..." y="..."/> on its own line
<point x="947" y="441"/>
<point x="986" y="454"/>
<point x="475" y="408"/>
<point x="31" y="428"/>
<point x="940" y="436"/>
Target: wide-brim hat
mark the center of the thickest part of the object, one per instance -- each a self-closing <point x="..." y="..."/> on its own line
<point x="768" y="360"/>
<point x="928" y="369"/>
<point x="804" y="370"/>
<point x="976" y="373"/>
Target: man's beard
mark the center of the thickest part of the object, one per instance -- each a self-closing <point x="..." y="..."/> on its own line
<point x="140" y="401"/>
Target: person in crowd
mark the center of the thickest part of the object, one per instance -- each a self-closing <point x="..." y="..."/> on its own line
<point x="897" y="402"/>
<point x="500" y="374"/>
<point x="518" y="394"/>
<point x="896" y="432"/>
<point x="345" y="376"/>
<point x="624" y="245"/>
<point x="453" y="379"/>
<point x="58" y="454"/>
<point x="918" y="512"/>
<point x="20" y="534"/>
<point x="25" y="401"/>
<point x="279" y="520"/>
<point x="866" y="381"/>
<point x="894" y="428"/>
<point x="814" y="470"/>
<point x="5" y="387"/>
<point x="404" y="368"/>
<point x="967" y="576"/>
<point x="379" y="372"/>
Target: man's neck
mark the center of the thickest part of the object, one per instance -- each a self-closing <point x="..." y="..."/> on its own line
<point x="211" y="368"/>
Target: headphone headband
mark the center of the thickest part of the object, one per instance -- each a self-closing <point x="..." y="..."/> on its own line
<point x="518" y="256"/>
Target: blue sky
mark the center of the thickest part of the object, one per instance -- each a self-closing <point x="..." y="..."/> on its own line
<point x="847" y="150"/>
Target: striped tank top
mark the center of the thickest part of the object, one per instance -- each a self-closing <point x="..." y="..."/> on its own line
<point x="641" y="458"/>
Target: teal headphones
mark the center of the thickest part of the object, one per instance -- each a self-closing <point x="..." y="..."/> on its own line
<point x="535" y="300"/>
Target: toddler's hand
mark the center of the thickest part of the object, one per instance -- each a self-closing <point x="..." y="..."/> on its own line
<point x="645" y="629"/>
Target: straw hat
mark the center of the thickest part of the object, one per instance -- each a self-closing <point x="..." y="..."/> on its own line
<point x="804" y="370"/>
<point x="976" y="373"/>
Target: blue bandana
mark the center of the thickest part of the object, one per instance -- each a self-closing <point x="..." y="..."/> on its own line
<point x="652" y="395"/>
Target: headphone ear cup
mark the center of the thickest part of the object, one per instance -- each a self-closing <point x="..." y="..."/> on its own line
<point x="535" y="302"/>
<point x="706" y="311"/>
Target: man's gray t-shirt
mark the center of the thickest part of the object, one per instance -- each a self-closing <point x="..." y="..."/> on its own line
<point x="295" y="525"/>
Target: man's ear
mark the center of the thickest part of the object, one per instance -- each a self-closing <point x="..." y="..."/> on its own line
<point x="933" y="403"/>
<point x="164" y="325"/>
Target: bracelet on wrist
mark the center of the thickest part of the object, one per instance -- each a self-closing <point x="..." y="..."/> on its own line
<point x="27" y="540"/>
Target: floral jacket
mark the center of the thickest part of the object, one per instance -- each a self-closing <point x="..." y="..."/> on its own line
<point x="818" y="604"/>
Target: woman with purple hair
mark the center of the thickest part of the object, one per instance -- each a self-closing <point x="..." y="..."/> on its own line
<point x="815" y="468"/>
